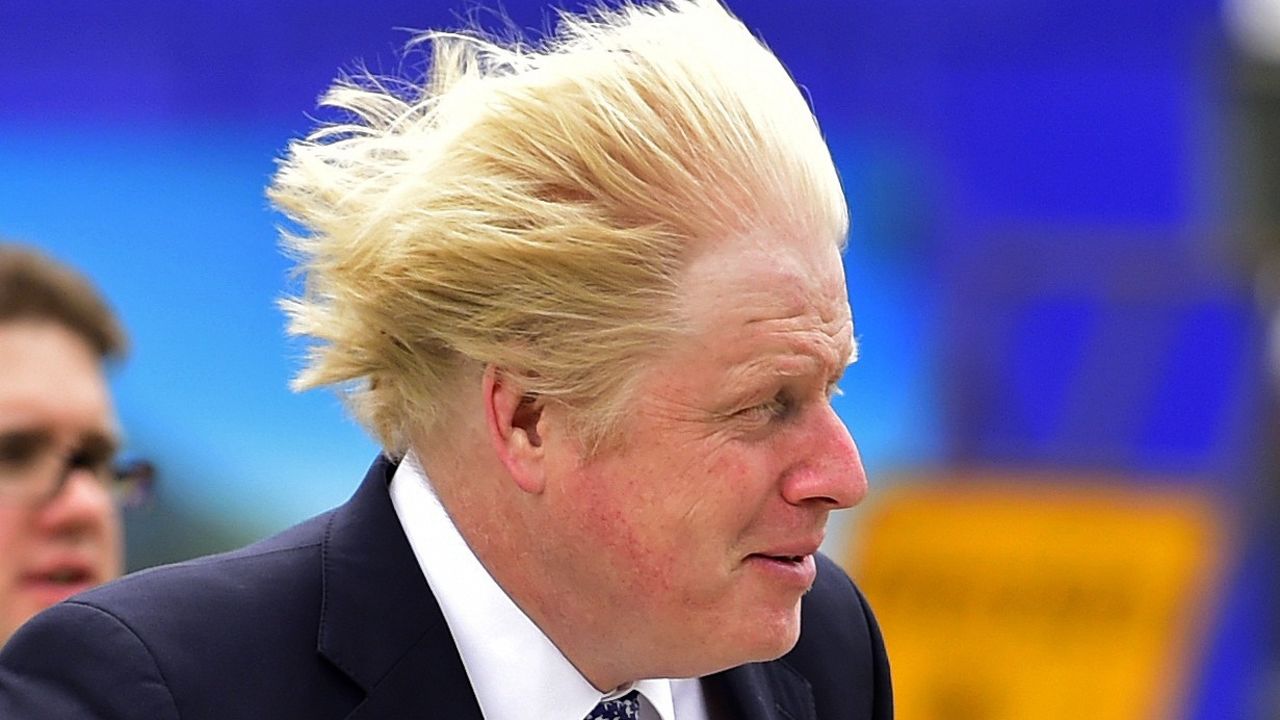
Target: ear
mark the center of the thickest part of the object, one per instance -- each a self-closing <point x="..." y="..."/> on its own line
<point x="512" y="417"/>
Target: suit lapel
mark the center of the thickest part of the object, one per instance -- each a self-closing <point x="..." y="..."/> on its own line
<point x="425" y="683"/>
<point x="379" y="623"/>
<point x="762" y="691"/>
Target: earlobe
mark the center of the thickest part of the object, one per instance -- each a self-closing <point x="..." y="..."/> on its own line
<point x="512" y="416"/>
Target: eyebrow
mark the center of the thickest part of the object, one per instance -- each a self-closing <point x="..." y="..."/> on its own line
<point x="93" y="441"/>
<point x="98" y="443"/>
<point x="772" y="366"/>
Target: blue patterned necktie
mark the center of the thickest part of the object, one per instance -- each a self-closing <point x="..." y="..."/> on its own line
<point x="626" y="707"/>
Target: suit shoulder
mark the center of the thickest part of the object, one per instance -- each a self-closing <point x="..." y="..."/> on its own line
<point x="218" y="636"/>
<point x="77" y="661"/>
<point x="258" y="576"/>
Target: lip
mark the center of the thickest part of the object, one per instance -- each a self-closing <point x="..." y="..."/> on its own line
<point x="56" y="580"/>
<point x="794" y="571"/>
<point x="789" y="563"/>
<point x="794" y="548"/>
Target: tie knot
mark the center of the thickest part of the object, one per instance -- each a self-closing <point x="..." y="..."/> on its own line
<point x="626" y="707"/>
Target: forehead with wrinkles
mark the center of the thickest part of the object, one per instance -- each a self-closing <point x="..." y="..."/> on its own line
<point x="766" y="281"/>
<point x="789" y="298"/>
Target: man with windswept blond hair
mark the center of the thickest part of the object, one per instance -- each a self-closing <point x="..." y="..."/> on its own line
<point x="588" y="296"/>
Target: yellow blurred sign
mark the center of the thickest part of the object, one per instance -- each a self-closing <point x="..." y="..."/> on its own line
<point x="1039" y="599"/>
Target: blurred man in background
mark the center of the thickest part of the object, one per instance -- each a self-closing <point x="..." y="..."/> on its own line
<point x="59" y="524"/>
<point x="589" y="297"/>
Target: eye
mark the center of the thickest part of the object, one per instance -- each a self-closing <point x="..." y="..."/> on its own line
<point x="93" y="462"/>
<point x="20" y="449"/>
<point x="95" y="456"/>
<point x="776" y="408"/>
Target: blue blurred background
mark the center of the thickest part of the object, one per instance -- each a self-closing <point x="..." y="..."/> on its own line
<point x="1063" y="215"/>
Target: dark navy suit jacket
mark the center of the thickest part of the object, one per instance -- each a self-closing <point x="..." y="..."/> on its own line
<point x="333" y="619"/>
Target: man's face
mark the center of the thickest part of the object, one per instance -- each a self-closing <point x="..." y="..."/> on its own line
<point x="695" y="534"/>
<point x="53" y="394"/>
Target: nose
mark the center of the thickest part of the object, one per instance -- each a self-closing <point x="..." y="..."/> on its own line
<point x="829" y="472"/>
<point x="82" y="507"/>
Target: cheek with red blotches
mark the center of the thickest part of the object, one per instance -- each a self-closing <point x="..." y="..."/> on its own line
<point x="695" y="530"/>
<point x="638" y="526"/>
<point x="618" y="529"/>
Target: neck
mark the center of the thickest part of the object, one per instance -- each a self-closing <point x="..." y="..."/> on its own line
<point x="499" y="523"/>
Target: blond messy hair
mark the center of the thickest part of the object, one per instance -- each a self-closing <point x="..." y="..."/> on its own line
<point x="532" y="207"/>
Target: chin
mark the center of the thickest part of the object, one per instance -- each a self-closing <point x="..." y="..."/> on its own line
<point x="774" y="636"/>
<point x="784" y="643"/>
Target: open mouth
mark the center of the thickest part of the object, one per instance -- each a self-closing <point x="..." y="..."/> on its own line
<point x="784" y="558"/>
<point x="68" y="576"/>
<point x="62" y="577"/>
<point x="796" y="571"/>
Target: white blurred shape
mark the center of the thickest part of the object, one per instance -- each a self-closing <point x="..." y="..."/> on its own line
<point x="1255" y="26"/>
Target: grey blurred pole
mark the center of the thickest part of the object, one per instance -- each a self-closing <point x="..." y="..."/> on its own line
<point x="1254" y="207"/>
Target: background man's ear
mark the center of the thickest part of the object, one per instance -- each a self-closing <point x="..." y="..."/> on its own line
<point x="512" y="417"/>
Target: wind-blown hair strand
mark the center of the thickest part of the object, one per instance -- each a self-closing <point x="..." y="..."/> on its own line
<point x="532" y="207"/>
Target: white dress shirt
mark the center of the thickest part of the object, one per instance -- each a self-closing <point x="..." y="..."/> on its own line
<point x="515" y="670"/>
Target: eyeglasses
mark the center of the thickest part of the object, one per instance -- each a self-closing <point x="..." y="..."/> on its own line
<point x="32" y="470"/>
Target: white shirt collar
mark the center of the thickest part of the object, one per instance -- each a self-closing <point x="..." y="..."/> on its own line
<point x="515" y="670"/>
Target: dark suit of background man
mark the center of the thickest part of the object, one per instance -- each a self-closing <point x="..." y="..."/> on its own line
<point x="589" y="296"/>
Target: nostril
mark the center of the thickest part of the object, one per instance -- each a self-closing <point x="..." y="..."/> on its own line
<point x="835" y="486"/>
